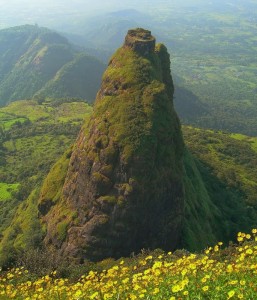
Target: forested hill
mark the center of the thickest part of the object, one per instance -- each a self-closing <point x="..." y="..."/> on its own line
<point x="38" y="62"/>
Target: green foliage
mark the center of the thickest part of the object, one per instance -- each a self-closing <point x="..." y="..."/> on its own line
<point x="230" y="158"/>
<point x="7" y="190"/>
<point x="220" y="186"/>
<point x="28" y="150"/>
<point x="201" y="214"/>
<point x="52" y="186"/>
<point x="133" y="123"/>
<point x="24" y="232"/>
<point x="62" y="230"/>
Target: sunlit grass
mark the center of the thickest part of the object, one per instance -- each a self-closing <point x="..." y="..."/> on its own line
<point x="6" y="190"/>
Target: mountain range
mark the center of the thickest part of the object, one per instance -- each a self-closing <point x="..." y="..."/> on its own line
<point x="37" y="62"/>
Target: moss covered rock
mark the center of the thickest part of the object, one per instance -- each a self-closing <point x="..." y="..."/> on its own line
<point x="125" y="173"/>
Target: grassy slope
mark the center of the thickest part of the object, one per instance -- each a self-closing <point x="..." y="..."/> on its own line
<point x="227" y="188"/>
<point x="7" y="190"/>
<point x="216" y="273"/>
<point x="29" y="147"/>
<point x="30" y="57"/>
<point x="80" y="78"/>
<point x="230" y="157"/>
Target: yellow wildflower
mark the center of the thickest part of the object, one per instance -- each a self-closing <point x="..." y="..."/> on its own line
<point x="205" y="288"/>
<point x="93" y="296"/>
<point x="242" y="282"/>
<point x="176" y="288"/>
<point x="249" y="251"/>
<point x="231" y="294"/>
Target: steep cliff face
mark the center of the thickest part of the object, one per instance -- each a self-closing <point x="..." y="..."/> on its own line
<point x="124" y="186"/>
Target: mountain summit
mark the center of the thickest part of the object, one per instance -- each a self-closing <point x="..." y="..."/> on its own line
<point x="140" y="40"/>
<point x="124" y="186"/>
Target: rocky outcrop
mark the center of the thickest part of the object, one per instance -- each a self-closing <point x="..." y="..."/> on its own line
<point x="140" y="40"/>
<point x="124" y="187"/>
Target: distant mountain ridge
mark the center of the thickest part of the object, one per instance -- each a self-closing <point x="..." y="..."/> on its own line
<point x="38" y="62"/>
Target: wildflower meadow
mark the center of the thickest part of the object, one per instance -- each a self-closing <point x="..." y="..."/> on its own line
<point x="216" y="273"/>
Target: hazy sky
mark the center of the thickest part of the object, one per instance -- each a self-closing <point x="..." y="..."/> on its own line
<point x="64" y="14"/>
<point x="50" y="12"/>
<point x="16" y="12"/>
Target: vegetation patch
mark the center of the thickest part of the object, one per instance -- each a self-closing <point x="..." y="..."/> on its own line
<point x="7" y="191"/>
<point x="232" y="158"/>
<point x="28" y="150"/>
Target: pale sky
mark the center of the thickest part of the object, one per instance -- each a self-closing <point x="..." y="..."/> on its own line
<point x="58" y="13"/>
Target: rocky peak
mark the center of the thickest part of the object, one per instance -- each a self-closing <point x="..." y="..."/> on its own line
<point x="140" y="40"/>
<point x="123" y="190"/>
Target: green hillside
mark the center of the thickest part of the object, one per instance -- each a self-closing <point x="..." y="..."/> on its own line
<point x="220" y="186"/>
<point x="230" y="157"/>
<point x="79" y="78"/>
<point x="37" y="61"/>
<point x="32" y="137"/>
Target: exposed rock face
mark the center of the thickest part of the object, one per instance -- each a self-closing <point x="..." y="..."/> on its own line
<point x="140" y="40"/>
<point x="124" y="188"/>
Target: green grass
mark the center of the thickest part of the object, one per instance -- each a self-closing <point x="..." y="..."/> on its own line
<point x="231" y="157"/>
<point x="72" y="112"/>
<point x="8" y="120"/>
<point x="28" y="108"/>
<point x="7" y="190"/>
<point x="250" y="140"/>
<point x="30" y="148"/>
